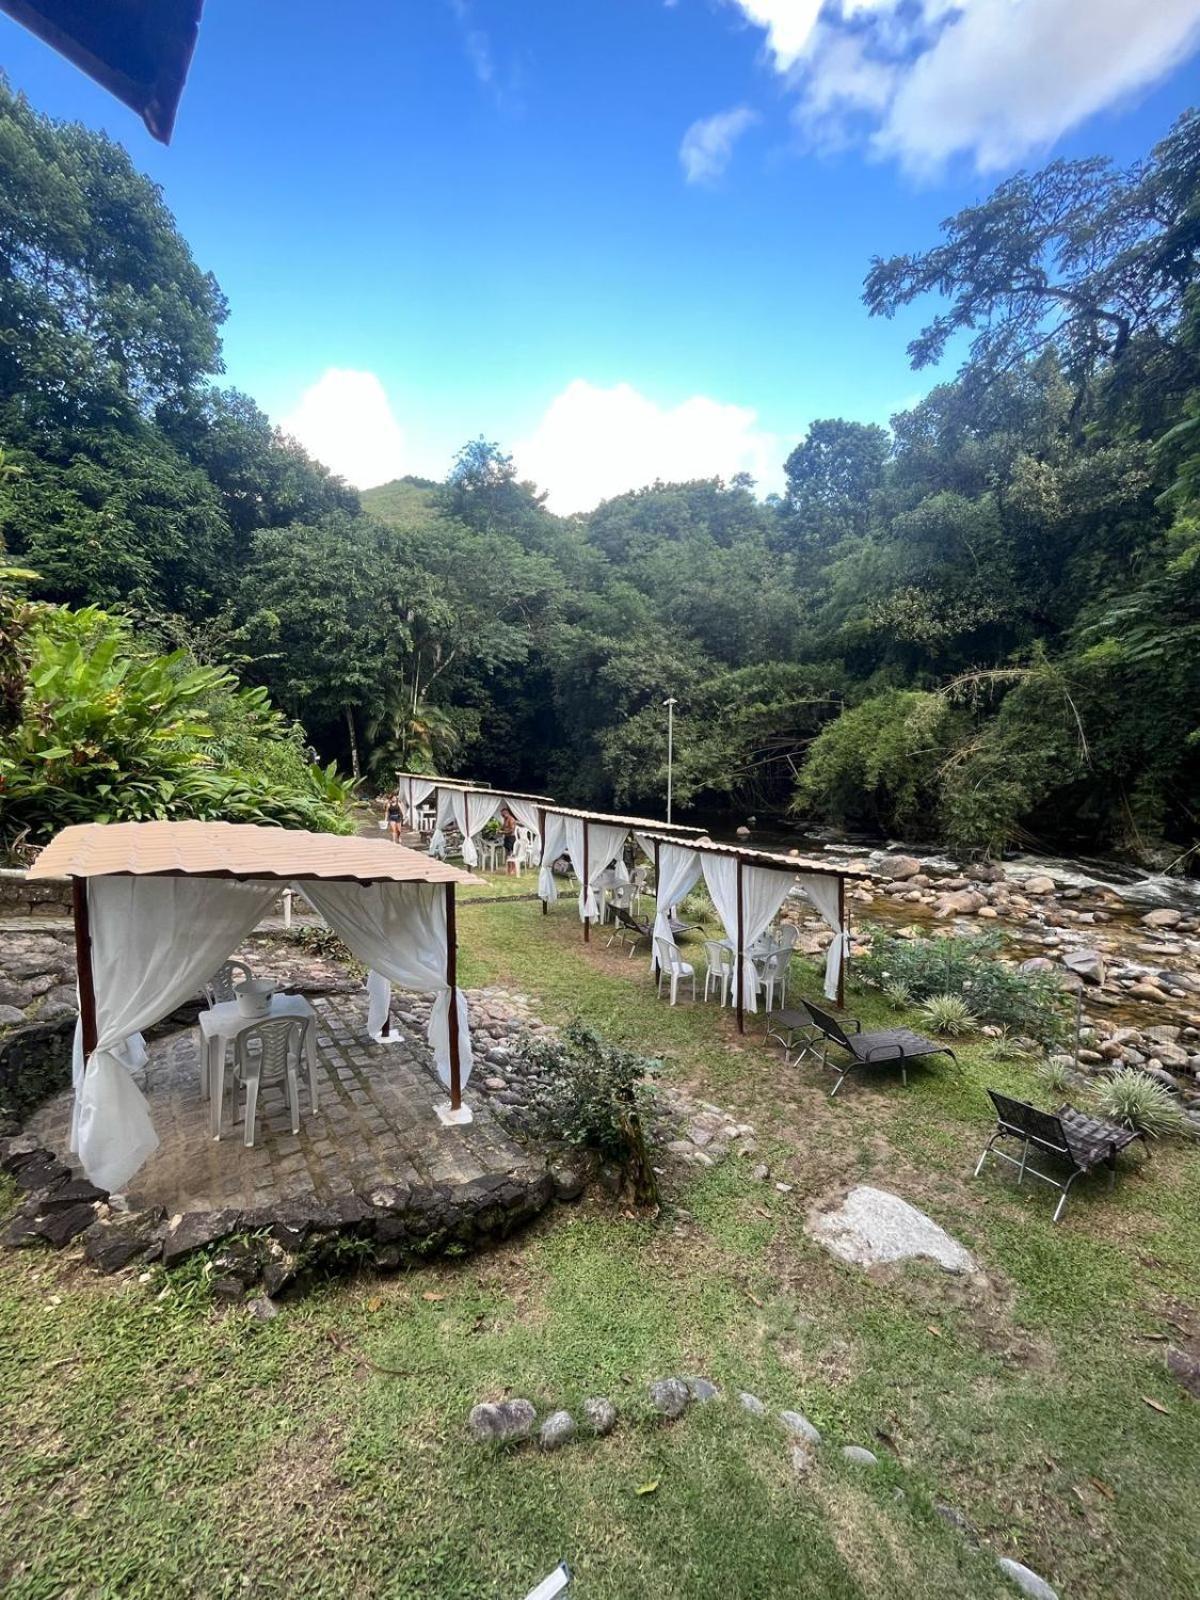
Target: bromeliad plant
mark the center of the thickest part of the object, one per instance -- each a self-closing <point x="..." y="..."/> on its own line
<point x="104" y="731"/>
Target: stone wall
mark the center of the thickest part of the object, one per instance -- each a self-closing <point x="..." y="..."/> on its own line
<point x="43" y="897"/>
<point x="35" y="1063"/>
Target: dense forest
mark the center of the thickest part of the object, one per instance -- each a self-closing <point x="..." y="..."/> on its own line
<point x="981" y="623"/>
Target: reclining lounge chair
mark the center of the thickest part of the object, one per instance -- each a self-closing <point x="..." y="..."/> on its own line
<point x="895" y="1045"/>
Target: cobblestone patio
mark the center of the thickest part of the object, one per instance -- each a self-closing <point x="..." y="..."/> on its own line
<point x="376" y="1125"/>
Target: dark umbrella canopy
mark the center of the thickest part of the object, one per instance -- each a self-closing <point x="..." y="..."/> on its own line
<point x="140" y="50"/>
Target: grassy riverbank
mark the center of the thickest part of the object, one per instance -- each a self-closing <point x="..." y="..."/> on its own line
<point x="154" y="1446"/>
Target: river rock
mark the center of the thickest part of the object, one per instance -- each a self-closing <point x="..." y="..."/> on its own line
<point x="797" y="1423"/>
<point x="1040" y="884"/>
<point x="872" y="1227"/>
<point x="1027" y="1580"/>
<point x="557" y="1430"/>
<point x="1164" y="917"/>
<point x="1086" y="964"/>
<point x="670" y="1397"/>
<point x="503" y="1422"/>
<point x="1146" y="991"/>
<point x="600" y="1415"/>
<point x="898" y="868"/>
<point x="962" y="904"/>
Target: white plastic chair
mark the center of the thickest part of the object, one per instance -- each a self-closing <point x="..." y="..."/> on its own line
<point x="639" y="878"/>
<point x="719" y="968"/>
<point x="670" y="961"/>
<point x="786" y="935"/>
<point x="772" y="974"/>
<point x="280" y="1042"/>
<point x="220" y="987"/>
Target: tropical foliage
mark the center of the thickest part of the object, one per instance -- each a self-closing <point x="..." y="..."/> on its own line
<point x="982" y="622"/>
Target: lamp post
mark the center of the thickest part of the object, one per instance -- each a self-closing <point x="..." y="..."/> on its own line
<point x="670" y="705"/>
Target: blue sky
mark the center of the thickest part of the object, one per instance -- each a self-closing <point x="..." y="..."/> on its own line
<point x="623" y="237"/>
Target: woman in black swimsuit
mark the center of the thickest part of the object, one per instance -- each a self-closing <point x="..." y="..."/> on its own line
<point x="394" y="817"/>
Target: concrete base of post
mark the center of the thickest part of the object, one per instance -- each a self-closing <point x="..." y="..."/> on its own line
<point x="449" y="1118"/>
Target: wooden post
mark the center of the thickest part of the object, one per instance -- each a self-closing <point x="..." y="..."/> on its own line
<point x="542" y="853"/>
<point x="587" y="921"/>
<point x="843" y="918"/>
<point x="452" y="980"/>
<point x="653" y="946"/>
<point x="737" y="974"/>
<point x="83" y="964"/>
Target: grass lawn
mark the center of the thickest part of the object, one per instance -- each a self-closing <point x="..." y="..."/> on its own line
<point x="154" y="1447"/>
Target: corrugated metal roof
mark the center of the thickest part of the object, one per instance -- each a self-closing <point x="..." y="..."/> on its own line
<point x="768" y="858"/>
<point x="233" y="850"/>
<point x="643" y="824"/>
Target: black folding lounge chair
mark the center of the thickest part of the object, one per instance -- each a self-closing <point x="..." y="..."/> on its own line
<point x="873" y="1049"/>
<point x="795" y="1030"/>
<point x="627" y="927"/>
<point x="1082" y="1142"/>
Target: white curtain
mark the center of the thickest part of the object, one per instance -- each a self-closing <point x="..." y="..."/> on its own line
<point x="478" y="811"/>
<point x="763" y="892"/>
<point x="412" y="792"/>
<point x="604" y="842"/>
<point x="679" y="871"/>
<point x="823" y="892"/>
<point x="154" y="942"/>
<point x="553" y="846"/>
<point x="398" y="930"/>
<point x="451" y="808"/>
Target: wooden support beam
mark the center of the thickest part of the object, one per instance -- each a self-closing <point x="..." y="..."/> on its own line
<point x="83" y="964"/>
<point x="843" y="918"/>
<point x="542" y="854"/>
<point x="452" y="980"/>
<point x="741" y="940"/>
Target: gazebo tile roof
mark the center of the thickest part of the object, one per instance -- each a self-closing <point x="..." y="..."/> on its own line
<point x="233" y="850"/>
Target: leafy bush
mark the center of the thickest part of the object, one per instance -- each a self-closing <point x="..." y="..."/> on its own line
<point x="948" y="1014"/>
<point x="106" y="731"/>
<point x="898" y="994"/>
<point x="1027" y="1003"/>
<point x="1131" y="1098"/>
<point x="597" y="1094"/>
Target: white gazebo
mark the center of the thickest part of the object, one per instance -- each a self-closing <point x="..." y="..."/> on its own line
<point x="414" y="788"/>
<point x="747" y="887"/>
<point x="470" y="808"/>
<point x="593" y="841"/>
<point x="159" y="906"/>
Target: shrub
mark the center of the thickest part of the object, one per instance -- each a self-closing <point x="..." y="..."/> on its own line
<point x="596" y="1095"/>
<point x="948" y="1014"/>
<point x="1027" y="1003"/>
<point x="107" y="731"/>
<point x="898" y="994"/>
<point x="1131" y="1098"/>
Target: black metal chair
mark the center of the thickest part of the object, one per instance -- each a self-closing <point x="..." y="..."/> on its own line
<point x="1082" y="1142"/>
<point x="795" y="1029"/>
<point x="884" y="1045"/>
<point x="628" y="927"/>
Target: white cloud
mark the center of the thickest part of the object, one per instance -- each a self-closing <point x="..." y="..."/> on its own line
<point x="707" y="146"/>
<point x="922" y="81"/>
<point x="593" y="443"/>
<point x="1004" y="78"/>
<point x="788" y="25"/>
<point x="346" y="421"/>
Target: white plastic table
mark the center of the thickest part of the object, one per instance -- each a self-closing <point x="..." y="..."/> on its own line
<point x="223" y="1022"/>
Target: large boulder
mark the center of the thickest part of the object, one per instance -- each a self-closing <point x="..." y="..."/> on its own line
<point x="898" y="868"/>
<point x="872" y="1227"/>
<point x="1085" y="964"/>
<point x="1039" y="884"/>
<point x="1164" y="917"/>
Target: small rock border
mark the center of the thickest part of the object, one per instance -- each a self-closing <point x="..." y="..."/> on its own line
<point x="513" y="1422"/>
